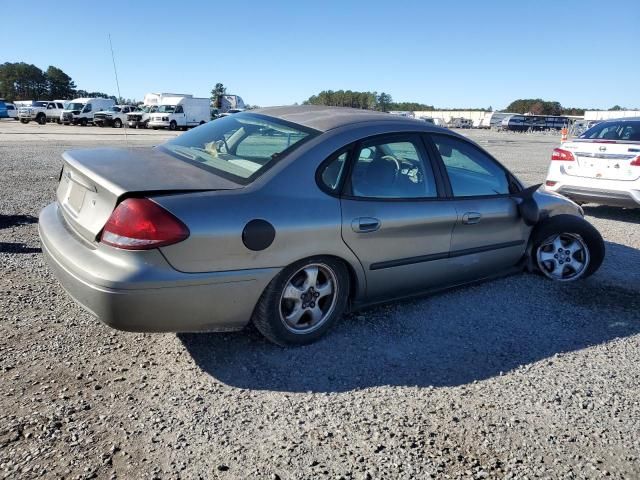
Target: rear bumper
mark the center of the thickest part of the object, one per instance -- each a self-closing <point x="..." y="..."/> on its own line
<point x="617" y="193"/>
<point x="140" y="291"/>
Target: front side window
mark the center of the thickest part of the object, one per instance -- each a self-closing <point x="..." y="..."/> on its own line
<point x="393" y="169"/>
<point x="471" y="172"/>
<point x="240" y="146"/>
<point x="87" y="108"/>
<point x="179" y="109"/>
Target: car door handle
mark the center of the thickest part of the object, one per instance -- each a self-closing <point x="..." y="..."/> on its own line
<point x="470" y="218"/>
<point x="365" y="224"/>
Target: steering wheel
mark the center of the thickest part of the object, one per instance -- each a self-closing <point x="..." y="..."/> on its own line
<point x="395" y="161"/>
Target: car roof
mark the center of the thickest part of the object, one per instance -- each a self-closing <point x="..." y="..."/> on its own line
<point x="324" y="118"/>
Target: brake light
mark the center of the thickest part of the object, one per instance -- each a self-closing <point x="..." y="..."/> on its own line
<point x="141" y="224"/>
<point x="562" y="155"/>
<point x="550" y="183"/>
<point x="636" y="161"/>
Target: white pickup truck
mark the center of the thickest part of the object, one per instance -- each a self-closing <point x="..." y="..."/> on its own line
<point x="41" y="111"/>
<point x="115" y="116"/>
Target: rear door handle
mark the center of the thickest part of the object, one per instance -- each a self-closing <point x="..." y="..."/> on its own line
<point x="470" y="218"/>
<point x="365" y="224"/>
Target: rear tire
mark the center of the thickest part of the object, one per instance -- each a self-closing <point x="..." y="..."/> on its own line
<point x="303" y="302"/>
<point x="567" y="248"/>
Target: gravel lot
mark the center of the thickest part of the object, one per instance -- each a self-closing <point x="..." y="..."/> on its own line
<point x="516" y="378"/>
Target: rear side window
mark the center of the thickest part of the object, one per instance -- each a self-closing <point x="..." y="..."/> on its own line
<point x="332" y="171"/>
<point x="471" y="172"/>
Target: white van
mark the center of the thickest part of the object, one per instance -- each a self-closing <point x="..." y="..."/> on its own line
<point x="81" y="110"/>
<point x="181" y="112"/>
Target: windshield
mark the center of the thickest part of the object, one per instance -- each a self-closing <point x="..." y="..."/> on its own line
<point x="239" y="147"/>
<point x="166" y="108"/>
<point x="39" y="104"/>
<point x="614" y="130"/>
<point x="75" y="106"/>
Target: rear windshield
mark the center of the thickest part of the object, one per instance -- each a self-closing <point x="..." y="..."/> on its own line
<point x="620" y="130"/>
<point x="239" y="147"/>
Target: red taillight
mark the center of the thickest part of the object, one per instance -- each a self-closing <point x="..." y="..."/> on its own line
<point x="140" y="224"/>
<point x="636" y="161"/>
<point x="562" y="155"/>
<point x="550" y="183"/>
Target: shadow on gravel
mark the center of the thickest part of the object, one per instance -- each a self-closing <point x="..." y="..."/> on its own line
<point x="448" y="339"/>
<point x="7" y="221"/>
<point x="6" y="247"/>
<point x="629" y="215"/>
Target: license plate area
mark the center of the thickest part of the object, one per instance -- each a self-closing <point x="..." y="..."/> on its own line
<point x="72" y="192"/>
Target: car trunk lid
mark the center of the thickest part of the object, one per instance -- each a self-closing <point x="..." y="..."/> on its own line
<point x="605" y="159"/>
<point x="93" y="181"/>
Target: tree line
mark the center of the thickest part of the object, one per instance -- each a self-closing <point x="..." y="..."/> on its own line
<point x="363" y="100"/>
<point x="25" y="81"/>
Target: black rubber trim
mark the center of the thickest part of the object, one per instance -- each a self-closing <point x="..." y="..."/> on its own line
<point x="440" y="256"/>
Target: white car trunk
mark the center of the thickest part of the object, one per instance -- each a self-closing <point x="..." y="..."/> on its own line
<point x="607" y="160"/>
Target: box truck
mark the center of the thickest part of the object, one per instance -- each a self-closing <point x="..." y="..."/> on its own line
<point x="182" y="112"/>
<point x="81" y="110"/>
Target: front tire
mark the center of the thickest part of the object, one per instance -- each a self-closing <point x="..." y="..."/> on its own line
<point x="117" y="123"/>
<point x="173" y="125"/>
<point x="303" y="302"/>
<point x="41" y="119"/>
<point x="567" y="248"/>
<point x="84" y="122"/>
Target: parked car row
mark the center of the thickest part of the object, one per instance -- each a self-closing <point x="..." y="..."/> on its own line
<point x="160" y="110"/>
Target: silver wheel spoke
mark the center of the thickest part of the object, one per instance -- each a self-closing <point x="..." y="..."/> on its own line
<point x="576" y="264"/>
<point x="557" y="269"/>
<point x="312" y="277"/>
<point x="324" y="290"/>
<point x="292" y="293"/>
<point x="547" y="256"/>
<point x="294" y="317"/>
<point x="316" y="314"/>
<point x="557" y="243"/>
<point x="574" y="247"/>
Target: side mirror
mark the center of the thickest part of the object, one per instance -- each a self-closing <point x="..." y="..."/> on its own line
<point x="527" y="206"/>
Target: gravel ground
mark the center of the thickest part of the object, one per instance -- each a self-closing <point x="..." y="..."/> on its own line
<point x="516" y="378"/>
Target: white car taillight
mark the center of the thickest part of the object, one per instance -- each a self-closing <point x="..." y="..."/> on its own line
<point x="560" y="154"/>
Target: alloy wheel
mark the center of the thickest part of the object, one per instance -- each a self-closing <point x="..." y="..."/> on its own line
<point x="563" y="257"/>
<point x="309" y="298"/>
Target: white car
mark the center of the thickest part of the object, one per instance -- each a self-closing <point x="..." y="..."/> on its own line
<point x="600" y="166"/>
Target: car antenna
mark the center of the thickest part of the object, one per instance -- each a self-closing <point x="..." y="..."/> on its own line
<point x="115" y="71"/>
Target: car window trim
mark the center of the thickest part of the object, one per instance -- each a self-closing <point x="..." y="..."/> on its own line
<point x="410" y="136"/>
<point x="335" y="192"/>
<point x="511" y="179"/>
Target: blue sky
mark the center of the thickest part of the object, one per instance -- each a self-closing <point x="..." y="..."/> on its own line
<point x="449" y="54"/>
